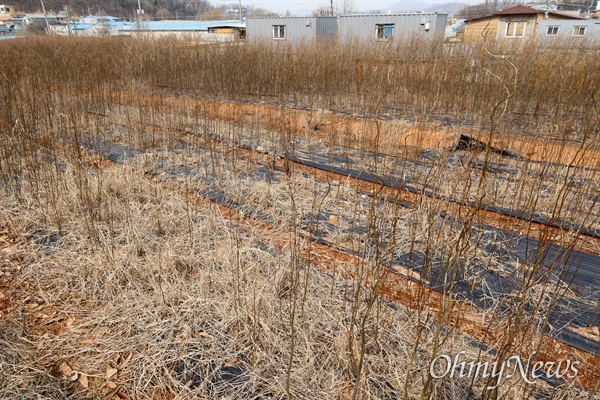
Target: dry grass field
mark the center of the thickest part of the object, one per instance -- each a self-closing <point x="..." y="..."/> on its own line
<point x="296" y="221"/>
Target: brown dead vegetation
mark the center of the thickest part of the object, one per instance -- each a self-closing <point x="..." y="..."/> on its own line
<point x="119" y="282"/>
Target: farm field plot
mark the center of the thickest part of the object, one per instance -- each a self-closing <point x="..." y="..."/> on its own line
<point x="258" y="221"/>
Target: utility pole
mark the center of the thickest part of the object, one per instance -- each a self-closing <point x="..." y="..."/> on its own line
<point x="332" y="14"/>
<point x="68" y="21"/>
<point x="241" y="19"/>
<point x="140" y="12"/>
<point x="44" y="10"/>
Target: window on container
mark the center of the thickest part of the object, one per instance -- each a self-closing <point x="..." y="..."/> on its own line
<point x="278" y="31"/>
<point x="552" y="31"/>
<point x="578" y="30"/>
<point x="384" y="31"/>
<point x="515" y="29"/>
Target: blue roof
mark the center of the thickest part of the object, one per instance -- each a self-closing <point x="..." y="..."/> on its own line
<point x="111" y="25"/>
<point x="188" y="25"/>
<point x="102" y="17"/>
<point x="117" y="24"/>
<point x="81" y="27"/>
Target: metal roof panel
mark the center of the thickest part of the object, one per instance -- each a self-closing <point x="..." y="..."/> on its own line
<point x="187" y="25"/>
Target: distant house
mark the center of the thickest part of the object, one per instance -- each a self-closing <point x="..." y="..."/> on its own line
<point x="98" y="29"/>
<point x="62" y="17"/>
<point x="194" y="31"/>
<point x="368" y="27"/>
<point x="20" y="24"/>
<point x="94" y="19"/>
<point x="515" y="23"/>
<point x="569" y="31"/>
<point x="6" y="9"/>
<point x="5" y="12"/>
<point x="41" y="19"/>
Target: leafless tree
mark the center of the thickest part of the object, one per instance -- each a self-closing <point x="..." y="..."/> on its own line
<point x="187" y="7"/>
<point x="497" y="5"/>
<point x="345" y="7"/>
<point x="321" y="11"/>
<point x="337" y="7"/>
<point x="488" y="7"/>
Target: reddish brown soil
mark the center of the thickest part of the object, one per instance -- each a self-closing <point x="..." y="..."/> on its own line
<point x="464" y="317"/>
<point x="350" y="130"/>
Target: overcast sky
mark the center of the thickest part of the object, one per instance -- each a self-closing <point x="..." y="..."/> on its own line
<point x="297" y="5"/>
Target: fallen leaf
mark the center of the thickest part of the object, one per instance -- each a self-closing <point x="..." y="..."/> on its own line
<point x="87" y="340"/>
<point x="205" y="335"/>
<point x="184" y="335"/>
<point x="232" y="362"/>
<point x="11" y="249"/>
<point x="49" y="311"/>
<point x="65" y="369"/>
<point x="110" y="372"/>
<point x="112" y="394"/>
<point x="45" y="363"/>
<point x="111" y="385"/>
<point x="589" y="332"/>
<point x="39" y="315"/>
<point x="123" y="395"/>
<point x="556" y="347"/>
<point x="127" y="359"/>
<point x="83" y="381"/>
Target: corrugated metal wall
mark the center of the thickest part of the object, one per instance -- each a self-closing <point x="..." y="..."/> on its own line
<point x="326" y="27"/>
<point x="565" y="30"/>
<point x="440" y="25"/>
<point x="297" y="28"/>
<point x="364" y="26"/>
<point x="347" y="27"/>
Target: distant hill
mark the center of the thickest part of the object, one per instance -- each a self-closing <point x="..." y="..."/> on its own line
<point x="447" y="7"/>
<point x="117" y="8"/>
<point x="407" y="5"/>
